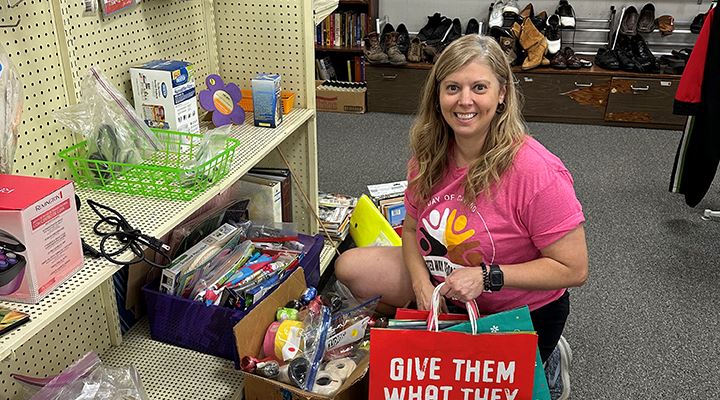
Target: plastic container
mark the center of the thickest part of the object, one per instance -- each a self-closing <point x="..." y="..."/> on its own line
<point x="163" y="173"/>
<point x="209" y="329"/>
<point x="287" y="97"/>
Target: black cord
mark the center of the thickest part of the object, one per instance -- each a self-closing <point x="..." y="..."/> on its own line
<point x="123" y="237"/>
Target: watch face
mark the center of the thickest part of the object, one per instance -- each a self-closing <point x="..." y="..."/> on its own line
<point x="496" y="279"/>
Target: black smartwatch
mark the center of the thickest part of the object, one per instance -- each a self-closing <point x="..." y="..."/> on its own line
<point x="493" y="277"/>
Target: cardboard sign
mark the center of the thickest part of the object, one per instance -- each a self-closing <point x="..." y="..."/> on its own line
<point x="407" y="365"/>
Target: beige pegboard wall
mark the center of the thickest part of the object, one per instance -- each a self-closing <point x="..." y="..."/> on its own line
<point x="69" y="337"/>
<point x="263" y="37"/>
<point x="153" y="30"/>
<point x="32" y="48"/>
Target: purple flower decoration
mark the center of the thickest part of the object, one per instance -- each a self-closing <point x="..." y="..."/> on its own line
<point x="223" y="101"/>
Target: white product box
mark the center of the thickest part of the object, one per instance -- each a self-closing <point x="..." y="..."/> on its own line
<point x="267" y="107"/>
<point x="40" y="243"/>
<point x="164" y="93"/>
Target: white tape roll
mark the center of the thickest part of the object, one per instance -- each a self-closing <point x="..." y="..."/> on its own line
<point x="341" y="368"/>
<point x="326" y="384"/>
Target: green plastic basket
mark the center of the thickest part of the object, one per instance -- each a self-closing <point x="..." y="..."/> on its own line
<point x="163" y="172"/>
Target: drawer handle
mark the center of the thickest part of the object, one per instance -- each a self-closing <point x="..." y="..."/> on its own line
<point x="389" y="77"/>
<point x="583" y="84"/>
<point x="640" y="89"/>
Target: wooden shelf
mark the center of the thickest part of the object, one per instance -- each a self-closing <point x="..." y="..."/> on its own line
<point x="339" y="49"/>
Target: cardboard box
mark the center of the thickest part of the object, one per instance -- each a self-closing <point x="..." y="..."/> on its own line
<point x="249" y="334"/>
<point x="164" y="94"/>
<point x="267" y="105"/>
<point x="40" y="243"/>
<point x="336" y="100"/>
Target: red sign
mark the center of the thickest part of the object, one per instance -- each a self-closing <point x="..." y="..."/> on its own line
<point x="407" y="365"/>
<point x="112" y="6"/>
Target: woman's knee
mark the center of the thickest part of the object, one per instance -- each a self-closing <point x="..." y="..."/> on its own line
<point x="347" y="266"/>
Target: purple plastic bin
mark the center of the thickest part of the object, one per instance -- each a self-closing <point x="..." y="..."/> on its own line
<point x="209" y="329"/>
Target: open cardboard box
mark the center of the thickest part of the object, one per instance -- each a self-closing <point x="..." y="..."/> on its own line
<point x="249" y="334"/>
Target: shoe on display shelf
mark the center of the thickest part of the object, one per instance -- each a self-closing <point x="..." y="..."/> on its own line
<point x="496" y="16"/>
<point x="403" y="40"/>
<point x="606" y="58"/>
<point x="646" y="20"/>
<point x="473" y="27"/>
<point x="427" y="31"/>
<point x="629" y="22"/>
<point x="567" y="15"/>
<point x="383" y="36"/>
<point x="372" y="50"/>
<point x="571" y="60"/>
<point x="552" y="33"/>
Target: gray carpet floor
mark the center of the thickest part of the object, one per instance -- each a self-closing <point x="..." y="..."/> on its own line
<point x="646" y="324"/>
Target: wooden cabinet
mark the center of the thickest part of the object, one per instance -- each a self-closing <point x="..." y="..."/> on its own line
<point x="587" y="96"/>
<point x="645" y="101"/>
<point x="394" y="89"/>
<point x="571" y="98"/>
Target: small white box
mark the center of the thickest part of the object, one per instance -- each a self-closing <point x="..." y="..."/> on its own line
<point x="164" y="94"/>
<point x="267" y="107"/>
<point x="40" y="243"/>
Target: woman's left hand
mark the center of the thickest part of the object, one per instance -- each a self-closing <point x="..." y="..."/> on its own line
<point x="464" y="284"/>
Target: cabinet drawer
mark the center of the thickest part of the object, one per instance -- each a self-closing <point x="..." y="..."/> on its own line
<point x="643" y="101"/>
<point x="572" y="97"/>
<point x="394" y="90"/>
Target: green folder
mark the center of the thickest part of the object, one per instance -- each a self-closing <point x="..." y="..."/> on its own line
<point x="516" y="320"/>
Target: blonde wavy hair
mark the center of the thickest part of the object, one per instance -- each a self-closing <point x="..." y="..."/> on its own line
<point x="431" y="137"/>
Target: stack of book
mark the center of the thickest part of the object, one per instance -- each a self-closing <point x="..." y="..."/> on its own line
<point x="335" y="211"/>
<point x="390" y="199"/>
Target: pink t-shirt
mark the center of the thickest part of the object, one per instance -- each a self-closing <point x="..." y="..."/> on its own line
<point x="532" y="206"/>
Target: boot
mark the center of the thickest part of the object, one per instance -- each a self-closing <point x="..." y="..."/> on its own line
<point x="373" y="51"/>
<point x="505" y="37"/>
<point x="415" y="53"/>
<point x="393" y="53"/>
<point x="534" y="44"/>
<point x="403" y="41"/>
<point x="383" y="36"/>
<point x="429" y="28"/>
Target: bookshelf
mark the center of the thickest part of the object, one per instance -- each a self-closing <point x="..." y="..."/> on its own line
<point x="338" y="39"/>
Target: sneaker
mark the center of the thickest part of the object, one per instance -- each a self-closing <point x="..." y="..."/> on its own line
<point x="557" y="371"/>
<point x="496" y="16"/>
<point x="511" y="6"/>
<point x="383" y="36"/>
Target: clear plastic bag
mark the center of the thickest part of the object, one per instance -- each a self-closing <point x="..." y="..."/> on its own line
<point x="89" y="379"/>
<point x="110" y="125"/>
<point x="11" y="105"/>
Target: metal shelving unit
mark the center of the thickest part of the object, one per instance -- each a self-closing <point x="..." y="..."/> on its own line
<point x="53" y="47"/>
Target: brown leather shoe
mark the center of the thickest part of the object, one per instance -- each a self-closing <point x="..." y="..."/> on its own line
<point x="628" y="25"/>
<point x="559" y="61"/>
<point x="571" y="59"/>
<point x="646" y="21"/>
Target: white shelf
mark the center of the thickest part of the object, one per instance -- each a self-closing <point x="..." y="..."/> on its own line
<point x="181" y="373"/>
<point x="155" y="217"/>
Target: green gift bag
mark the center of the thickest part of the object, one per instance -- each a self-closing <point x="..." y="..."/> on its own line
<point x="517" y="320"/>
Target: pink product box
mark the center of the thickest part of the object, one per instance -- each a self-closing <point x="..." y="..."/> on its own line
<point x="40" y="243"/>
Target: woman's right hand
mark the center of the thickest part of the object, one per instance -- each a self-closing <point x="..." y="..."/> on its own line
<point x="423" y="297"/>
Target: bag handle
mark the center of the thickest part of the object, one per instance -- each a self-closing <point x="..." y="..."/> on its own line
<point x="433" y="322"/>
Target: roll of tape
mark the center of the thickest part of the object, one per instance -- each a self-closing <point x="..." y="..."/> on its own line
<point x="269" y="340"/>
<point x="283" y="374"/>
<point x="287" y="339"/>
<point x="268" y="369"/>
<point x="326" y="384"/>
<point x="341" y="368"/>
<point x="298" y="370"/>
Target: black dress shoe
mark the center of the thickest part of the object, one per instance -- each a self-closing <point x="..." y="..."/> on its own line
<point x="646" y="21"/>
<point x="454" y="33"/>
<point x="606" y="58"/>
<point x="567" y="14"/>
<point x="625" y="55"/>
<point x="628" y="25"/>
<point x="642" y="53"/>
<point x="697" y="23"/>
<point x="473" y="27"/>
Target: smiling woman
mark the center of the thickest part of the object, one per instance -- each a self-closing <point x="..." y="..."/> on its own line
<point x="489" y="210"/>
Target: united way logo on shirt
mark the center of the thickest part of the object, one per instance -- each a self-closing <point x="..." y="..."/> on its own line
<point x="448" y="239"/>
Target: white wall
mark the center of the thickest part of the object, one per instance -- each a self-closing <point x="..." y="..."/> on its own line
<point x="413" y="13"/>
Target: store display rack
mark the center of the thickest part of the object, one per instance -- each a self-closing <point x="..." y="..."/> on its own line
<point x="53" y="47"/>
